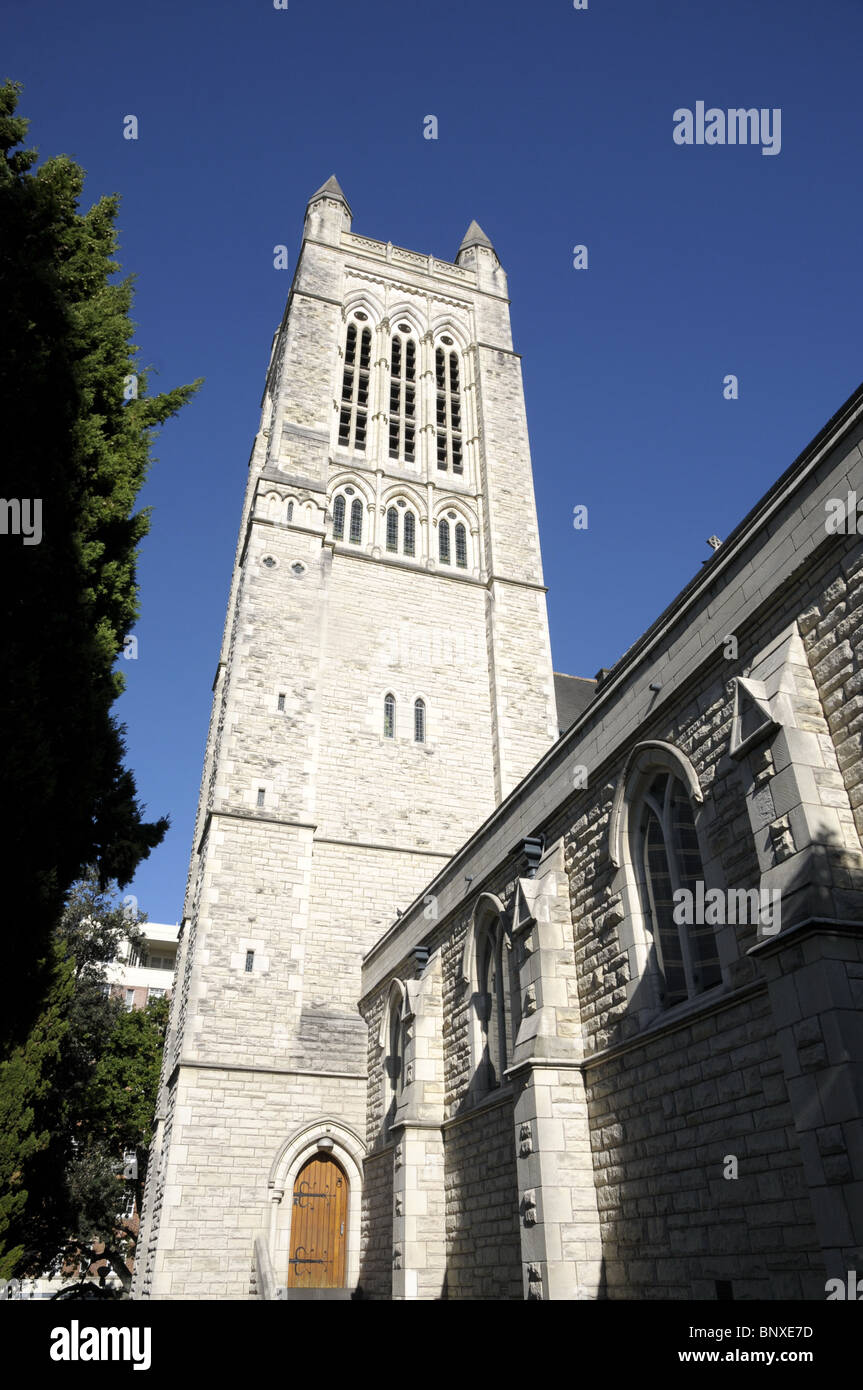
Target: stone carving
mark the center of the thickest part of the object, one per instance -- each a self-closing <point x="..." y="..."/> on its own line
<point x="530" y="1000"/>
<point x="528" y="1207"/>
<point x="762" y="766"/>
<point x="397" y="1257"/>
<point x="781" y="839"/>
<point x="398" y="1157"/>
<point x="525" y="1140"/>
<point x="762" y="806"/>
<point x="534" y="1282"/>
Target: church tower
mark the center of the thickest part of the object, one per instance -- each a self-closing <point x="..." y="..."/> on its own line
<point x="385" y="680"/>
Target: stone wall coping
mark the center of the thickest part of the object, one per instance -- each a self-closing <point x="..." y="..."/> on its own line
<point x="662" y="1027"/>
<point x="195" y="1063"/>
<point x="504" y="1095"/>
<point x="801" y="931"/>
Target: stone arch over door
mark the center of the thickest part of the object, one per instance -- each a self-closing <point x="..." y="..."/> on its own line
<point x="324" y="1136"/>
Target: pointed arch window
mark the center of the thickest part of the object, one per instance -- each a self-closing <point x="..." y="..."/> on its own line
<point x="667" y="858"/>
<point x="395" y="1060"/>
<point x="410" y="532"/>
<point x="461" y="546"/>
<point x="401" y="529"/>
<point x="389" y="716"/>
<point x="339" y="518"/>
<point x="356" y="532"/>
<point x="443" y="542"/>
<point x="419" y="721"/>
<point x="392" y="1038"/>
<point x="353" y="415"/>
<point x="492" y="1005"/>
<point x="403" y="388"/>
<point x="448" y="408"/>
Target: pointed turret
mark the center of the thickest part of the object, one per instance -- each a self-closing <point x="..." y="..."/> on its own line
<point x="328" y="213"/>
<point x="332" y="189"/>
<point x="478" y="254"/>
<point x="474" y="236"/>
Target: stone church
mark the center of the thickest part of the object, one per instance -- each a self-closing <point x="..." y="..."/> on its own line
<point x="495" y="983"/>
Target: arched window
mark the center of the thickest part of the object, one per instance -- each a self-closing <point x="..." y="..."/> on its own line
<point x="392" y="1037"/>
<point x="492" y="1000"/>
<point x="448" y="407"/>
<point x="356" y="521"/>
<point x="410" y="533"/>
<point x="419" y="721"/>
<point x="443" y="542"/>
<point x="666" y="858"/>
<point x="389" y="716"/>
<point x="339" y="518"/>
<point x="290" y="511"/>
<point x="403" y="375"/>
<point x="392" y="529"/>
<point x="355" y="386"/>
<point x="461" y="546"/>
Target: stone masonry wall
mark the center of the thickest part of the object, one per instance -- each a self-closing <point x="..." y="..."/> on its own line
<point x="483" y="1257"/>
<point x="665" y="1119"/>
<point x="376" y="1261"/>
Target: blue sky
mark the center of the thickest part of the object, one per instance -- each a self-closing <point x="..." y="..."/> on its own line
<point x="555" y="129"/>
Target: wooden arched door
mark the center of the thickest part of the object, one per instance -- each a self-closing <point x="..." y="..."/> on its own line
<point x="319" y="1220"/>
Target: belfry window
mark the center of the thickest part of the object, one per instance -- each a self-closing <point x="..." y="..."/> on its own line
<point x="448" y="409"/>
<point x="356" y="533"/>
<point x="392" y="529"/>
<point x="419" y="721"/>
<point x="443" y="542"/>
<point x="667" y="858"/>
<point x="339" y="518"/>
<point x="389" y="716"/>
<point x="410" y="528"/>
<point x="353" y="415"/>
<point x="403" y="389"/>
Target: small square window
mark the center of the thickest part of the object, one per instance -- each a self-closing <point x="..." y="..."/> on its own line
<point x="250" y="962"/>
<point x="281" y="702"/>
<point x="261" y="795"/>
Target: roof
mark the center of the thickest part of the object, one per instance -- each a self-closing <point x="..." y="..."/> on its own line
<point x="573" y="694"/>
<point x="331" y="189"/>
<point x="474" y="236"/>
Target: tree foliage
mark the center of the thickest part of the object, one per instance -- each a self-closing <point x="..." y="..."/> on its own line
<point x="78" y="427"/>
<point x="25" y="1086"/>
<point x="90" y="1098"/>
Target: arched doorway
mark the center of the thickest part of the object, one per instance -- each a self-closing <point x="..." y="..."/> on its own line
<point x="319" y="1217"/>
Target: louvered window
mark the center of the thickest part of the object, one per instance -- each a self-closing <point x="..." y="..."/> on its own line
<point x="353" y="415"/>
<point x="448" y="410"/>
<point x="403" y="389"/>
